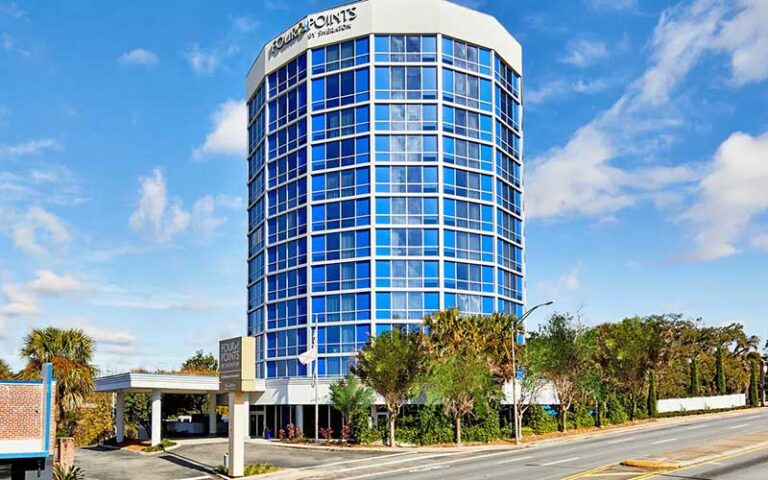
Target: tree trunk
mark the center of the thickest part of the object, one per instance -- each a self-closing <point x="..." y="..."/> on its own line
<point x="563" y="417"/>
<point x="391" y="421"/>
<point x="458" y="431"/>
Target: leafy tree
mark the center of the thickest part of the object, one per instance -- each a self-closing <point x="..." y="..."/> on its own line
<point x="70" y="352"/>
<point x="200" y="364"/>
<point x="391" y="365"/>
<point x="652" y="395"/>
<point x="460" y="366"/>
<point x="5" y="370"/>
<point x="350" y="397"/>
<point x="138" y="410"/>
<point x="563" y="356"/>
<point x="754" y="382"/>
<point x="720" y="371"/>
<point x="94" y="423"/>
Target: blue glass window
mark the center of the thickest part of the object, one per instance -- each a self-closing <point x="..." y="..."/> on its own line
<point x="465" y="153"/>
<point x="407" y="274"/>
<point x="341" y="153"/>
<point x="287" y="108"/>
<point x="468" y="184"/>
<point x="339" y="184"/>
<point x="256" y="132"/>
<point x="467" y="124"/>
<point x="402" y="48"/>
<point x="256" y="321"/>
<point x="256" y="103"/>
<point x="466" y="89"/>
<point x="256" y="267"/>
<point x="349" y="213"/>
<point x="287" y="284"/>
<point x="406" y="148"/>
<point x="341" y="245"/>
<point x="257" y="160"/>
<point x="287" y="168"/>
<point x="338" y="123"/>
<point x="406" y="117"/>
<point x="406" y="83"/>
<point x="507" y="140"/>
<point x="509" y="227"/>
<point x="469" y="304"/>
<point x="508" y="197"/>
<point x="407" y="242"/>
<point x="288" y="313"/>
<point x="508" y="169"/>
<point x="288" y="225"/>
<point x="406" y="305"/>
<point x="406" y="210"/>
<point x="508" y="78"/>
<point x="344" y="307"/>
<point x="286" y="343"/>
<point x="285" y="368"/>
<point x="465" y="56"/>
<point x="469" y="246"/>
<point x="505" y="306"/>
<point x="341" y="276"/>
<point x="469" y="276"/>
<point x="256" y="295"/>
<point x="287" y="139"/>
<point x="406" y="179"/>
<point x="410" y="327"/>
<point x="340" y="89"/>
<point x="288" y="255"/>
<point x="342" y="338"/>
<point x="510" y="285"/>
<point x="510" y="256"/>
<point x="507" y="108"/>
<point x="256" y="240"/>
<point x="256" y="187"/>
<point x="287" y="76"/>
<point x="340" y="55"/>
<point x="256" y="214"/>
<point x="333" y="366"/>
<point x="468" y="215"/>
<point x="288" y="196"/>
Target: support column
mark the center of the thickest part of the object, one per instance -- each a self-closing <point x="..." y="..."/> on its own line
<point x="238" y="417"/>
<point x="120" y="416"/>
<point x="212" y="425"/>
<point x="374" y="417"/>
<point x="299" y="417"/>
<point x="157" y="417"/>
<point x="247" y="419"/>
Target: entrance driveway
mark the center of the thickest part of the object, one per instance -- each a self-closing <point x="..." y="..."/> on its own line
<point x="195" y="459"/>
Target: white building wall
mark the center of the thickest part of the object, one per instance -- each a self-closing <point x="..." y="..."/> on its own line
<point x="701" y="403"/>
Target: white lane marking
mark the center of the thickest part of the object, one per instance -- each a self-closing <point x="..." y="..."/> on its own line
<point x="738" y="426"/>
<point x="664" y="441"/>
<point x="442" y="464"/>
<point x="558" y="462"/>
<point x="402" y="460"/>
<point x="371" y="458"/>
<point x="516" y="459"/>
<point x="696" y="426"/>
<point x="428" y="468"/>
<point x="621" y="440"/>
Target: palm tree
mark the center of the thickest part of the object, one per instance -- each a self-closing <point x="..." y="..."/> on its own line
<point x="70" y="352"/>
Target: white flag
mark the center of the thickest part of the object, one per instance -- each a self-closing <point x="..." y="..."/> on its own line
<point x="308" y="356"/>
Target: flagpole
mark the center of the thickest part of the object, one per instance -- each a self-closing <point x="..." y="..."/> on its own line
<point x="314" y="380"/>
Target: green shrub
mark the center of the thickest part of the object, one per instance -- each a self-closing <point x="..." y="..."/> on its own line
<point x="164" y="443"/>
<point x="258" y="469"/>
<point x="582" y="417"/>
<point x="538" y="420"/>
<point x="485" y="428"/>
<point x="616" y="414"/>
<point x="434" y="426"/>
<point x="67" y="473"/>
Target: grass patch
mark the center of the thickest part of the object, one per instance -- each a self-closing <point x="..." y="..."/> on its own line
<point x="249" y="470"/>
<point x="164" y="443"/>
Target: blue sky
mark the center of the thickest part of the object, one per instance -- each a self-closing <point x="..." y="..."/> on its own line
<point x="122" y="171"/>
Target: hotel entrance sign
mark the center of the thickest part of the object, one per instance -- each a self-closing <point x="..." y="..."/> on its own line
<point x="237" y="364"/>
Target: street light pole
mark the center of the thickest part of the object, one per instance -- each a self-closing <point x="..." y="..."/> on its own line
<point x="518" y="423"/>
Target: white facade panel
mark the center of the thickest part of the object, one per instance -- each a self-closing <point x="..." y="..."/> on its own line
<point x="701" y="403"/>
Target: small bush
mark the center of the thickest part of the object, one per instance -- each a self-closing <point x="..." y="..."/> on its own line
<point x="164" y="443"/>
<point x="67" y="473"/>
<point x="616" y="414"/>
<point x="539" y="421"/>
<point x="582" y="417"/>
<point x="258" y="469"/>
<point x="327" y="434"/>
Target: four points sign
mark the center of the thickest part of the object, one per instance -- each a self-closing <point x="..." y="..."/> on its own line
<point x="237" y="364"/>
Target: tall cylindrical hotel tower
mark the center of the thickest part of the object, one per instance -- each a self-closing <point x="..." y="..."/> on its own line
<point x="385" y="183"/>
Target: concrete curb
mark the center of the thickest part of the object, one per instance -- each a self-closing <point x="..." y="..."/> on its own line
<point x="649" y="464"/>
<point x="672" y="465"/>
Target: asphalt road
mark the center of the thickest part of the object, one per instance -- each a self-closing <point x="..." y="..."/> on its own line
<point x="559" y="460"/>
<point x="751" y="466"/>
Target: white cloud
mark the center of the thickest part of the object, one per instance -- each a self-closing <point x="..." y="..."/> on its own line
<point x="202" y="61"/>
<point x="153" y="214"/>
<point x="745" y="36"/>
<point x="585" y="177"/>
<point x="559" y="89"/>
<point x="582" y="52"/>
<point x="39" y="231"/>
<point x="19" y="301"/>
<point x="12" y="10"/>
<point x="245" y="24"/>
<point x="229" y="135"/>
<point x="49" y="283"/>
<point x="11" y="44"/>
<point x="30" y="147"/>
<point x="140" y="57"/>
<point x="731" y="198"/>
<point x="204" y="214"/>
<point x="612" y="4"/>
